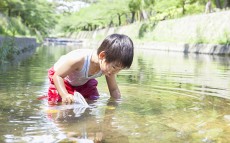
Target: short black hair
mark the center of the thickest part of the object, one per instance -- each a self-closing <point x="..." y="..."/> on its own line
<point x="118" y="48"/>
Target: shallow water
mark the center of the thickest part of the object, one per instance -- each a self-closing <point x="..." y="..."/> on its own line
<point x="166" y="97"/>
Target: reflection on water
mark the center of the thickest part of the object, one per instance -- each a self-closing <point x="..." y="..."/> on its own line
<point x="167" y="97"/>
<point x="92" y="124"/>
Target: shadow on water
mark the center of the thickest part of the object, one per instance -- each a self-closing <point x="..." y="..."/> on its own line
<point x="166" y="97"/>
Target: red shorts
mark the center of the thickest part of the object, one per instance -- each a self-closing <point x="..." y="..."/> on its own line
<point x="88" y="90"/>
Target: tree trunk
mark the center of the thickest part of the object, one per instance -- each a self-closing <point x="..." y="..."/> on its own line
<point x="139" y="15"/>
<point x="133" y="17"/>
<point x="226" y="3"/>
<point x="9" y="12"/>
<point x="119" y="19"/>
<point x="111" y="23"/>
<point x="144" y="15"/>
<point x="127" y="18"/>
<point x="218" y="5"/>
<point x="183" y="7"/>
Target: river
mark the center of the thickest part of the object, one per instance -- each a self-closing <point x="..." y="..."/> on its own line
<point x="166" y="97"/>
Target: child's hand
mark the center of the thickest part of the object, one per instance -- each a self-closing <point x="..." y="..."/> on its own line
<point x="67" y="99"/>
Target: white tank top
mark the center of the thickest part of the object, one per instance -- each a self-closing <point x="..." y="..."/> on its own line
<point x="78" y="78"/>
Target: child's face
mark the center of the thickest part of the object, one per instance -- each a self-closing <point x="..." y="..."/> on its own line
<point x="109" y="69"/>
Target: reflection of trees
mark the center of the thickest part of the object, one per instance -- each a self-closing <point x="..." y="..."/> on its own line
<point x="18" y="83"/>
<point x="141" y="73"/>
<point x="30" y="71"/>
<point x="223" y="61"/>
<point x="88" y="127"/>
<point x="215" y="62"/>
<point x="16" y="113"/>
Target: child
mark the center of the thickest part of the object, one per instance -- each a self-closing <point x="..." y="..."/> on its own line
<point x="77" y="70"/>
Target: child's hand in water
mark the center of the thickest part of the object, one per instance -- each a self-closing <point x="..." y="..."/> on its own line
<point x="67" y="99"/>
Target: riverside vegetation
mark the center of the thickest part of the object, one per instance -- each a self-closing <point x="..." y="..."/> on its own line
<point x="43" y="19"/>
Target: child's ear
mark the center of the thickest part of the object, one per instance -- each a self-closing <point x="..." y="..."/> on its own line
<point x="101" y="55"/>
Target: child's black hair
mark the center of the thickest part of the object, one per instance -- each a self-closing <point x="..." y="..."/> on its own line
<point x="118" y="48"/>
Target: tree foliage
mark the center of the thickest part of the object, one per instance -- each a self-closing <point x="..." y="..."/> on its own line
<point x="98" y="15"/>
<point x="38" y="17"/>
<point x="106" y="13"/>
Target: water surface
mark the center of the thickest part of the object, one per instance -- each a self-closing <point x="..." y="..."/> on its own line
<point x="166" y="97"/>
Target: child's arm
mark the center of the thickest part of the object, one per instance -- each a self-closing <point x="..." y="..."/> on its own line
<point x="113" y="87"/>
<point x="62" y="69"/>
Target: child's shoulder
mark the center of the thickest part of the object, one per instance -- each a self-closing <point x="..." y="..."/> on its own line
<point x="74" y="56"/>
<point x="81" y="52"/>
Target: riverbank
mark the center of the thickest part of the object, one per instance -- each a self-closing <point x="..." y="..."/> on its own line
<point x="213" y="49"/>
<point x="16" y="48"/>
<point x="203" y="33"/>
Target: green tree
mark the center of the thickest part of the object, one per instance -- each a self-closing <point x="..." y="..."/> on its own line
<point x="135" y="7"/>
<point x="39" y="17"/>
<point x="227" y="3"/>
<point x="98" y="15"/>
<point x="9" y="7"/>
